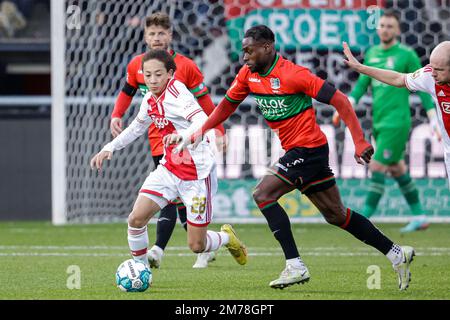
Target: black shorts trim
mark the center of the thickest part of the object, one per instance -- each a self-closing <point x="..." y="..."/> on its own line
<point x="281" y="177"/>
<point x="318" y="186"/>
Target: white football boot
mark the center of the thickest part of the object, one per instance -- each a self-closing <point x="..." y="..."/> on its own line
<point x="203" y="259"/>
<point x="402" y="268"/>
<point x="154" y="257"/>
<point x="291" y="275"/>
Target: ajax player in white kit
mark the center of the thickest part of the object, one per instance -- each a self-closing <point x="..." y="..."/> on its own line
<point x="433" y="79"/>
<point x="189" y="173"/>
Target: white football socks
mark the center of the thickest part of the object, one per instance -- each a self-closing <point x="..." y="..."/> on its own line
<point x="214" y="240"/>
<point x="395" y="255"/>
<point x="159" y="252"/>
<point x="295" y="262"/>
<point x="138" y="242"/>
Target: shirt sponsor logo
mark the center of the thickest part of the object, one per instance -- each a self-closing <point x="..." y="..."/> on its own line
<point x="441" y="94"/>
<point x="159" y="122"/>
<point x="272" y="107"/>
<point x="446" y="107"/>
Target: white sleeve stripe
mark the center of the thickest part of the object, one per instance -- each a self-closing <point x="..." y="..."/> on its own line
<point x="193" y="114"/>
<point x="172" y="91"/>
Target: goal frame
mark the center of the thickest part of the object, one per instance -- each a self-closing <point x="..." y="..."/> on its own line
<point x="58" y="113"/>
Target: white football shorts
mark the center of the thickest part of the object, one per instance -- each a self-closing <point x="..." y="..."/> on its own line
<point x="163" y="187"/>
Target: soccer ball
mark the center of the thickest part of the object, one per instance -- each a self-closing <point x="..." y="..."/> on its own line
<point x="133" y="276"/>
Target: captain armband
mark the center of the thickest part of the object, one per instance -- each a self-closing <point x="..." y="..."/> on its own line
<point x="326" y="93"/>
<point x="129" y="90"/>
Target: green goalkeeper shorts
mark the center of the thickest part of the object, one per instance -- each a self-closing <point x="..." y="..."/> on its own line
<point x="390" y="144"/>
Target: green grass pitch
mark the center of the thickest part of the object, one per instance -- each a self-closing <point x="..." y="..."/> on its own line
<point x="35" y="260"/>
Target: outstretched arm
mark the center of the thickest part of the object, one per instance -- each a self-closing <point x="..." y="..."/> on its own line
<point x="208" y="106"/>
<point x="363" y="149"/>
<point x="223" y="111"/>
<point x="131" y="133"/>
<point x="427" y="102"/>
<point x="326" y="93"/>
<point x="182" y="139"/>
<point x="137" y="128"/>
<point x="392" y="78"/>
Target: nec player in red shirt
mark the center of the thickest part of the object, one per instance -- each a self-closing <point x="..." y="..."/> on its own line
<point x="284" y="92"/>
<point x="158" y="35"/>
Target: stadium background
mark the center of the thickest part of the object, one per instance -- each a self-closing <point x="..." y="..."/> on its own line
<point x="92" y="41"/>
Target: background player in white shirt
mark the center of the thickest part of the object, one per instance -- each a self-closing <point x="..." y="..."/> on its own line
<point x="189" y="173"/>
<point x="433" y="79"/>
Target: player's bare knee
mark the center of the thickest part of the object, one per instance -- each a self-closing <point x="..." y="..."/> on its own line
<point x="135" y="221"/>
<point x="335" y="220"/>
<point x="197" y="246"/>
<point x="329" y="218"/>
<point x="396" y="171"/>
<point x="261" y="196"/>
<point x="335" y="217"/>
<point x="257" y="195"/>
<point x="375" y="166"/>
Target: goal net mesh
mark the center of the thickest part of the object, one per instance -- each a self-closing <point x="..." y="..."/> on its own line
<point x="102" y="36"/>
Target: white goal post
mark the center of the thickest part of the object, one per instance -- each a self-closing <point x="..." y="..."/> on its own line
<point x="58" y="112"/>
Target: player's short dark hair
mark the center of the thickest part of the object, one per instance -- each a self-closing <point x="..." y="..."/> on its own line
<point x="158" y="19"/>
<point x="389" y="13"/>
<point x="161" y="55"/>
<point x="260" y="33"/>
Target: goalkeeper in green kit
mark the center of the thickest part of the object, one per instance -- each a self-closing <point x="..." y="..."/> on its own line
<point x="392" y="119"/>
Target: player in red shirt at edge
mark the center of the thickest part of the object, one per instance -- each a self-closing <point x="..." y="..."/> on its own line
<point x="158" y="35"/>
<point x="283" y="92"/>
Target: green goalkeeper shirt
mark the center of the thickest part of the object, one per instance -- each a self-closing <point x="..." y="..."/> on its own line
<point x="391" y="107"/>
